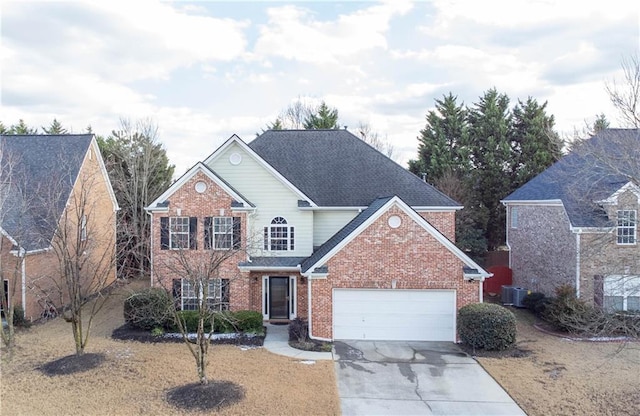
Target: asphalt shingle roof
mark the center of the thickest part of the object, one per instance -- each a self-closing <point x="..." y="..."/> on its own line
<point x="43" y="171"/>
<point x="335" y="168"/>
<point x="592" y="172"/>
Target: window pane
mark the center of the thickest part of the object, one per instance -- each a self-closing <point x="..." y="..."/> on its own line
<point x="633" y="303"/>
<point x="613" y="303"/>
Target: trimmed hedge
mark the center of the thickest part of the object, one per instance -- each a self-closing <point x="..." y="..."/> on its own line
<point x="487" y="326"/>
<point x="248" y="321"/>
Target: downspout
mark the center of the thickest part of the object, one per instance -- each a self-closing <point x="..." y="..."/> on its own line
<point x="151" y="248"/>
<point x="578" y="264"/>
<point x="480" y="294"/>
<point x="24" y="283"/>
<point x="309" y="307"/>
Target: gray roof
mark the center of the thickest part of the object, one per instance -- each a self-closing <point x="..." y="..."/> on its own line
<point x="592" y="172"/>
<point x="272" y="262"/>
<point x="43" y="171"/>
<point x="343" y="233"/>
<point x="335" y="168"/>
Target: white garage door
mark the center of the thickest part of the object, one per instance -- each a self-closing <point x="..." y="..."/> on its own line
<point x="409" y="315"/>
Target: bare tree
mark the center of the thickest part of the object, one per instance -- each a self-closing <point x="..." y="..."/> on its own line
<point x="140" y="171"/>
<point x="366" y="133"/>
<point x="83" y="245"/>
<point x="626" y="97"/>
<point x="203" y="286"/>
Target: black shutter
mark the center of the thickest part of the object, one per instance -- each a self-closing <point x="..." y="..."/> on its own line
<point x="266" y="238"/>
<point x="208" y="232"/>
<point x="193" y="233"/>
<point x="598" y="290"/>
<point x="164" y="233"/>
<point x="237" y="232"/>
<point x="177" y="293"/>
<point x="224" y="294"/>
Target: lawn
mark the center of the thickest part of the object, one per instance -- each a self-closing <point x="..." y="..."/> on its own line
<point x="567" y="377"/>
<point x="135" y="376"/>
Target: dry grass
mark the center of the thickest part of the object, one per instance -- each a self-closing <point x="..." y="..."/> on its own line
<point x="564" y="377"/>
<point x="135" y="377"/>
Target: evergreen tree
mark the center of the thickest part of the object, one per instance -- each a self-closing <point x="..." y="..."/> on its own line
<point x="324" y="118"/>
<point x="55" y="128"/>
<point x="534" y="143"/>
<point x="22" y="128"/>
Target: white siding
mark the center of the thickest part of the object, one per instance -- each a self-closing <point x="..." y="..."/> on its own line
<point x="271" y="197"/>
<point x="327" y="223"/>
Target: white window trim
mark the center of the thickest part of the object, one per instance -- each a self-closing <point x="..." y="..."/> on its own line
<point x="623" y="288"/>
<point x="228" y="232"/>
<point x="290" y="234"/>
<point x="514" y="217"/>
<point x="632" y="214"/>
<point x="293" y="297"/>
<point x="217" y="295"/>
<point x="173" y="232"/>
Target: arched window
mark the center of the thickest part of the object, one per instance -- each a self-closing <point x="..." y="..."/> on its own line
<point x="279" y="235"/>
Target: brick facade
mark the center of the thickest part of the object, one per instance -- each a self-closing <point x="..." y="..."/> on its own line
<point x="380" y="254"/>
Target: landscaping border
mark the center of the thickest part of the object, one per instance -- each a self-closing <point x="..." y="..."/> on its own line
<point x="128" y="333"/>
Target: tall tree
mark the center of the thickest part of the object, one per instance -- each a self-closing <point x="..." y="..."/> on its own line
<point x="371" y="137"/>
<point x="139" y="171"/>
<point x="535" y="144"/>
<point x="22" y="128"/>
<point x="489" y="124"/>
<point x="626" y="97"/>
<point x="55" y="128"/>
<point x="324" y="118"/>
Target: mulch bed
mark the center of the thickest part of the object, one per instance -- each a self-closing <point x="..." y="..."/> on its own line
<point x="129" y="333"/>
<point x="513" y="352"/>
<point x="205" y="397"/>
<point x="72" y="364"/>
<point x="311" y="345"/>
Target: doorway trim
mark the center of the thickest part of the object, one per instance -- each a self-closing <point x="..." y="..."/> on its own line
<point x="293" y="296"/>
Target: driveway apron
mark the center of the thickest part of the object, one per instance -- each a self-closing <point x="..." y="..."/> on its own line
<point x="415" y="378"/>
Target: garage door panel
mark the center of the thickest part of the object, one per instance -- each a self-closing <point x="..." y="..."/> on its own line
<point x="420" y="315"/>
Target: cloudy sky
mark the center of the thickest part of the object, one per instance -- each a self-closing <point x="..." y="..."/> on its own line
<point x="205" y="70"/>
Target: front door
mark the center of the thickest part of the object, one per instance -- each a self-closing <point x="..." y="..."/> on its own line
<point x="278" y="297"/>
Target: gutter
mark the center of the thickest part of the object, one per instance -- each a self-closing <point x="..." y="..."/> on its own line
<point x="578" y="264"/>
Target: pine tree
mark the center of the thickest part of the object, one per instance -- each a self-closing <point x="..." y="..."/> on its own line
<point x="324" y="118"/>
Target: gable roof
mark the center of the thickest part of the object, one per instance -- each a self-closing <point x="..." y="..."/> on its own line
<point x="337" y="169"/>
<point x="350" y="231"/>
<point x="161" y="203"/>
<point x="36" y="160"/>
<point x="593" y="172"/>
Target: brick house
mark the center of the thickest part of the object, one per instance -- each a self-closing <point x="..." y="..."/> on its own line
<point x="332" y="230"/>
<point x="576" y="223"/>
<point x="45" y="181"/>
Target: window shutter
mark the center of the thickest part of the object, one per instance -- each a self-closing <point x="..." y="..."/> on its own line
<point x="177" y="293"/>
<point x="224" y="293"/>
<point x="164" y="233"/>
<point x="193" y="233"/>
<point x="292" y="247"/>
<point x="266" y="238"/>
<point x="208" y="232"/>
<point x="237" y="232"/>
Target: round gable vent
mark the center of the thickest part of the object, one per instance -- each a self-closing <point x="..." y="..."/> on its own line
<point x="200" y="187"/>
<point x="394" y="221"/>
<point x="235" y="158"/>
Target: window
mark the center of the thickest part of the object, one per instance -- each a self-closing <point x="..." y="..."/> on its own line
<point x="83" y="228"/>
<point x="217" y="294"/>
<point x="514" y="217"/>
<point x="622" y="293"/>
<point x="178" y="233"/>
<point x="279" y="236"/>
<point x="222" y="233"/>
<point x="627" y="227"/>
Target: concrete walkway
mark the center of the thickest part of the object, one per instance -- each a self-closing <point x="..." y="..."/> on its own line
<point x="277" y="342"/>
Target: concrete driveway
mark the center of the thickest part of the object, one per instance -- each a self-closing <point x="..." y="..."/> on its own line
<point x="415" y="378"/>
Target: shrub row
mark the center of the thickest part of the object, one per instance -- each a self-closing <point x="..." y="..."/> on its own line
<point x="487" y="326"/>
<point x="153" y="308"/>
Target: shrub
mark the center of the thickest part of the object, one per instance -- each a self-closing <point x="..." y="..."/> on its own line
<point x="248" y="321"/>
<point x="19" y="320"/>
<point x="298" y="330"/>
<point x="487" y="326"/>
<point x="148" y="309"/>
<point x="568" y="313"/>
<point x="536" y="302"/>
<point x="224" y="322"/>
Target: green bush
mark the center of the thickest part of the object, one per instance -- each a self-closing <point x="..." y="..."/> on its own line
<point x="487" y="326"/>
<point x="148" y="309"/>
<point x="224" y="322"/>
<point x="248" y="321"/>
<point x="536" y="302"/>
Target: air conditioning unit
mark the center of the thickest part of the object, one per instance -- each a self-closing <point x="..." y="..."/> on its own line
<point x="518" y="296"/>
<point x="507" y="295"/>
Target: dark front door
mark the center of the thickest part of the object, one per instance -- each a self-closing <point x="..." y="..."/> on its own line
<point x="278" y="298"/>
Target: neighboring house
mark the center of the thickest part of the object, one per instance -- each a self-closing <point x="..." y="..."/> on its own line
<point x="335" y="232"/>
<point x="576" y="223"/>
<point x="44" y="181"/>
